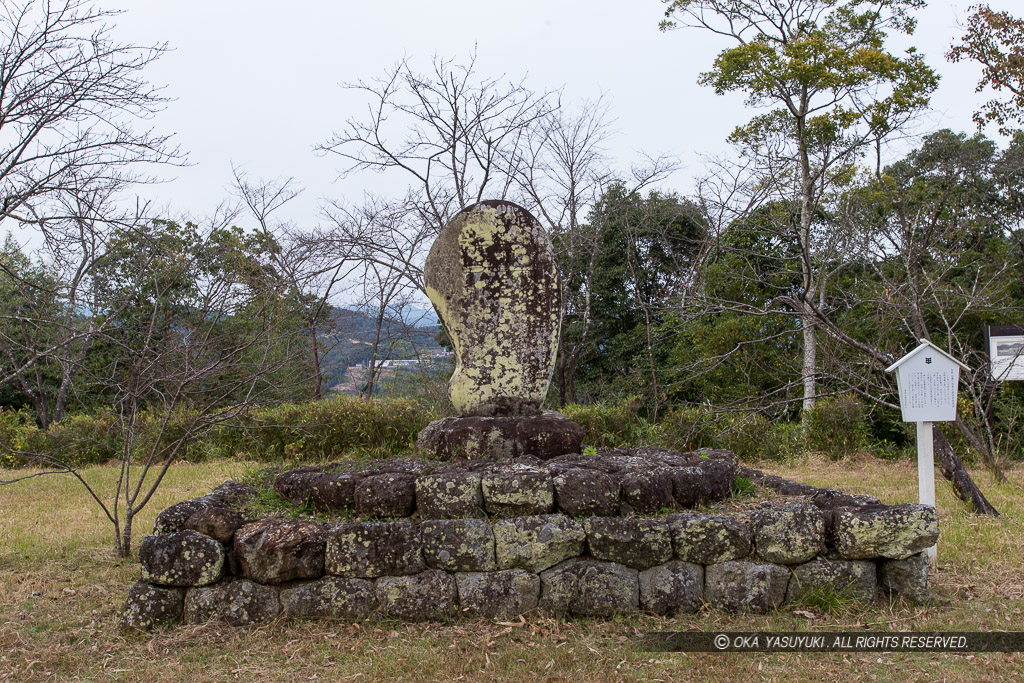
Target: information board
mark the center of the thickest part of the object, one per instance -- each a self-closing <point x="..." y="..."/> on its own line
<point x="1006" y="352"/>
<point x="928" y="388"/>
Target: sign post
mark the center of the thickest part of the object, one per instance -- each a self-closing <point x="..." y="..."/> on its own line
<point x="927" y="378"/>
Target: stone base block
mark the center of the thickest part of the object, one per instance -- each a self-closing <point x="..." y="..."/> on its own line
<point x="543" y="436"/>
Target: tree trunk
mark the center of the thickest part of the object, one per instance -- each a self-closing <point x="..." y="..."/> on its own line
<point x="956" y="473"/>
<point x="810" y="364"/>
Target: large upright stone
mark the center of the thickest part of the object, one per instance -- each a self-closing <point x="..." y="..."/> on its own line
<point x="493" y="279"/>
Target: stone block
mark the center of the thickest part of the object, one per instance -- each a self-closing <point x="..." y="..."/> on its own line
<point x="891" y="531"/>
<point x="149" y="606"/>
<point x="536" y="543"/>
<point x="431" y="595"/>
<point x="182" y="558"/>
<point x="237" y="602"/>
<point x="386" y="495"/>
<point x="745" y="586"/>
<point x="672" y="588"/>
<point x="788" y="534"/>
<point x="458" y="545"/>
<point x="906" y="579"/>
<point x="709" y="539"/>
<point x="636" y="543"/>
<point x="589" y="588"/>
<point x="446" y="495"/>
<point x="852" y="579"/>
<point x="219" y="523"/>
<point x="581" y="492"/>
<point x="497" y="595"/>
<point x="372" y="549"/>
<point x="517" y="491"/>
<point x="279" y="550"/>
<point x="330" y="597"/>
<point x="647" y="489"/>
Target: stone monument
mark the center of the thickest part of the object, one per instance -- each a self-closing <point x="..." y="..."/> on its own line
<point x="492" y="277"/>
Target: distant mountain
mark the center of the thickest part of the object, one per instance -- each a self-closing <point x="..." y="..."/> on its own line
<point x="350" y="342"/>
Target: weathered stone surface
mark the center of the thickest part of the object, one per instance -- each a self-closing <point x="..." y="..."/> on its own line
<point x="149" y="606"/>
<point x="583" y="492"/>
<point x="707" y="482"/>
<point x="536" y="543"/>
<point x="520" y="490"/>
<point x="709" y="539"/>
<point x="493" y="279"/>
<point x="445" y="495"/>
<point x="544" y="436"/>
<point x="182" y="558"/>
<point x="853" y="579"/>
<point x="428" y="596"/>
<point x="279" y="550"/>
<point x="647" y="489"/>
<point x="588" y="588"/>
<point x="892" y="531"/>
<point x="330" y="491"/>
<point x="238" y="602"/>
<point x="672" y="588"/>
<point x="372" y="549"/>
<point x="216" y="522"/>
<point x="173" y="519"/>
<point x="331" y="597"/>
<point x="745" y="586"/>
<point x="497" y="595"/>
<point x="636" y="543"/>
<point x="907" y="579"/>
<point x="458" y="545"/>
<point x="231" y="493"/>
<point x="788" y="534"/>
<point x="386" y="495"/>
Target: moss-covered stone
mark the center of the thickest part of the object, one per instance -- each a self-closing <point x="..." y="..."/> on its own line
<point x="493" y="279"/>
<point x="536" y="543"/>
<point x="238" y="602"/>
<point x="709" y="539"/>
<point x="672" y="588"/>
<point x="581" y="492"/>
<point x="497" y="595"/>
<point x="386" y="495"/>
<point x="589" y="588"/>
<point x="445" y="495"/>
<point x="330" y="597"/>
<point x="279" y="550"/>
<point x="431" y="595"/>
<point x="854" y="580"/>
<point x="636" y="543"/>
<point x="458" y="545"/>
<point x="906" y="579"/>
<point x="745" y="586"/>
<point x="182" y="558"/>
<point x="892" y="531"/>
<point x="372" y="549"/>
<point x="149" y="606"/>
<point x="518" y="490"/>
<point x="647" y="489"/>
<point x="788" y="534"/>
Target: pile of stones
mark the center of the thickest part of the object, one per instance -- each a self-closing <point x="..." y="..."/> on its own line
<point x="496" y="540"/>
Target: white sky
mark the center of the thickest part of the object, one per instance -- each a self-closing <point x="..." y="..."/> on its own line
<point x="256" y="83"/>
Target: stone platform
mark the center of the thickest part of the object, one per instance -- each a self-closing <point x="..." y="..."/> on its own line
<point x="582" y="536"/>
<point x="544" y="436"/>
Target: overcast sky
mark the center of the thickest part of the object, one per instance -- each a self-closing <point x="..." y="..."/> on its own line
<point x="256" y="83"/>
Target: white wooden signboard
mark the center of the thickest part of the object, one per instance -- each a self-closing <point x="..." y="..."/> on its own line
<point x="1006" y="352"/>
<point x="927" y="378"/>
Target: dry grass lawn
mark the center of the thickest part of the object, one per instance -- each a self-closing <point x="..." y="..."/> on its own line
<point x="61" y="589"/>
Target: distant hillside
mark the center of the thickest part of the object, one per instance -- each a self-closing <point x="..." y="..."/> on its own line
<point x="350" y="343"/>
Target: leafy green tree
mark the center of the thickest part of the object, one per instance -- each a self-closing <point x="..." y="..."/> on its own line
<point x="831" y="87"/>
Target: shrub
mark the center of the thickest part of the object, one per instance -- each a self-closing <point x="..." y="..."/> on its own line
<point x="15" y="427"/>
<point x="837" y="426"/>
<point x="77" y="440"/>
<point x="784" y="441"/>
<point x="686" y="429"/>
<point x="611" y="424"/>
<point x="323" y="430"/>
<point x="743" y="434"/>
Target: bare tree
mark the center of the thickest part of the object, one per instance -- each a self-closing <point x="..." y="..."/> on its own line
<point x="73" y="104"/>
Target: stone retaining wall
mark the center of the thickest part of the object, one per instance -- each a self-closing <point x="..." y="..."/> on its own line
<point x="206" y="562"/>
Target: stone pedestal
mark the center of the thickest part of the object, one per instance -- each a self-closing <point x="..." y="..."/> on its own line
<point x="543" y="436"/>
